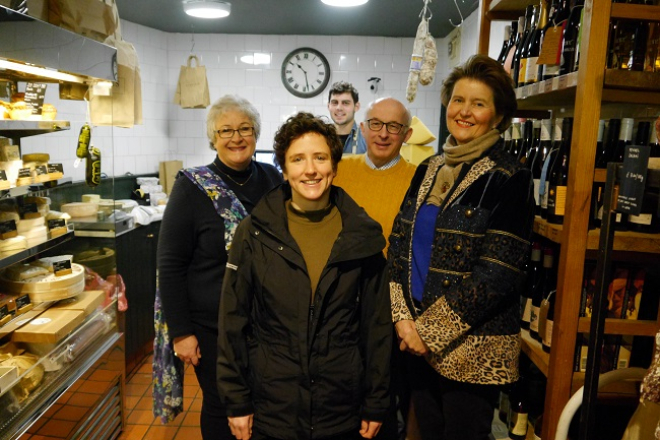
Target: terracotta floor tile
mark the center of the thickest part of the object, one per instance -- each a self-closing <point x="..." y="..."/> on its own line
<point x="190" y="379"/>
<point x="145" y="403"/>
<point x="52" y="410"/>
<point x="72" y="413"/>
<point x="138" y="389"/>
<point x="188" y="433"/>
<point x="149" y="391"/>
<point x="196" y="405"/>
<point x="131" y="401"/>
<point x="140" y="417"/>
<point x="191" y="419"/>
<point x="57" y="428"/>
<point x="133" y="432"/>
<point x="145" y="368"/>
<point x="25" y="436"/>
<point x="187" y="401"/>
<point x="83" y="399"/>
<point x="190" y="390"/>
<point x="161" y="433"/>
<point x="141" y="378"/>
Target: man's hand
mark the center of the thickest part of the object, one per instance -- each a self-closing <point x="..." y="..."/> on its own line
<point x="409" y="339"/>
<point x="241" y="426"/>
<point x="369" y="429"/>
<point x="186" y="348"/>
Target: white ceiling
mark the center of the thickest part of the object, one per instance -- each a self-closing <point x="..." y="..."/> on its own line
<point x="388" y="18"/>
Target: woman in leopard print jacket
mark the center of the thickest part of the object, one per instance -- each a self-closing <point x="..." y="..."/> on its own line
<point x="457" y="252"/>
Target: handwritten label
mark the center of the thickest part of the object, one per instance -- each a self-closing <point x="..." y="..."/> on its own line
<point x="631" y="190"/>
<point x="34" y="96"/>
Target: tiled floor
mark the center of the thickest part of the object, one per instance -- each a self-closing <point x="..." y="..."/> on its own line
<point x="140" y="422"/>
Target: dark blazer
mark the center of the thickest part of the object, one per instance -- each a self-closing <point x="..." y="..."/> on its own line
<point x="470" y="313"/>
<point x="305" y="371"/>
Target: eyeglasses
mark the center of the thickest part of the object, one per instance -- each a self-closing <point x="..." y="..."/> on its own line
<point x="392" y="127"/>
<point x="227" y="133"/>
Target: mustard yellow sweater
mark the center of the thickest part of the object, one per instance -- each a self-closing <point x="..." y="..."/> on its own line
<point x="379" y="192"/>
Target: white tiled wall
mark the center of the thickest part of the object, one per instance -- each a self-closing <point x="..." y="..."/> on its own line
<point x="170" y="132"/>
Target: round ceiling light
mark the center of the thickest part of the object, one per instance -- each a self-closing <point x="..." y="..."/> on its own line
<point x="207" y="8"/>
<point x="344" y="3"/>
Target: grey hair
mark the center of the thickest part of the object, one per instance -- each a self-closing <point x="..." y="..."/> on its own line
<point x="232" y="103"/>
<point x="408" y="116"/>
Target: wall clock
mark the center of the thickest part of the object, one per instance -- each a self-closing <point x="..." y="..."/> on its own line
<point x="305" y="72"/>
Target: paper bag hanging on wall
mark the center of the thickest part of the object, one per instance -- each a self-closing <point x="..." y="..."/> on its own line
<point x="96" y="19"/>
<point x="123" y="106"/>
<point x="192" y="90"/>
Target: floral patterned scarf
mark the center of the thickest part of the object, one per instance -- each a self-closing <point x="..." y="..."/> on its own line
<point x="168" y="369"/>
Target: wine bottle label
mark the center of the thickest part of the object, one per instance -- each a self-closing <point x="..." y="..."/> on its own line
<point x="534" y="319"/>
<point x="547" y="338"/>
<point x="560" y="200"/>
<point x="518" y="424"/>
<point x="522" y="71"/>
<point x="527" y="310"/>
<point x="531" y="70"/>
<point x="641" y="219"/>
<point x="537" y="186"/>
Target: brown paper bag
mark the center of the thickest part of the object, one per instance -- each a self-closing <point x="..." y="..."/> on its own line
<point x="192" y="90"/>
<point x="167" y="174"/>
<point x="123" y="108"/>
<point x="96" y="19"/>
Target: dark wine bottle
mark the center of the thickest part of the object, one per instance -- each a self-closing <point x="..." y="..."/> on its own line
<point x="538" y="292"/>
<point x="519" y="413"/>
<point x="539" y="159"/>
<point x="529" y="12"/>
<point x="548" y="164"/>
<point x="642" y="137"/>
<point x="559" y="12"/>
<point x="503" y="406"/>
<point x="505" y="44"/>
<point x="629" y="45"/>
<point x="524" y="56"/>
<point x="534" y="146"/>
<point x="599" y="141"/>
<point x="534" y="274"/>
<point x="528" y="139"/>
<point x="548" y="309"/>
<point x="559" y="176"/>
<point x="516" y="138"/>
<point x="652" y="58"/>
<point x="654" y="142"/>
<point x="532" y="57"/>
<point x="571" y="32"/>
<point x="625" y="138"/>
<point x="609" y="145"/>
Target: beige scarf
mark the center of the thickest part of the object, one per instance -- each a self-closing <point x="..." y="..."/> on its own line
<point x="455" y="157"/>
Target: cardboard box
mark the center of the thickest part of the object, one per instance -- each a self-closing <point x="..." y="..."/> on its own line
<point x="87" y="302"/>
<point x="167" y="174"/>
<point x="50" y="327"/>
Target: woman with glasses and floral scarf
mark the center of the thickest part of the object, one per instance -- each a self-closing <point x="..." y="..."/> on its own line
<point x="205" y="206"/>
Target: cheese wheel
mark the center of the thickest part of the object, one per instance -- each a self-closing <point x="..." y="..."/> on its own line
<point x="91" y="198"/>
<point x="47" y="283"/>
<point x="28" y="224"/>
<point x="79" y="209"/>
<point x="17" y="242"/>
<point x="36" y="157"/>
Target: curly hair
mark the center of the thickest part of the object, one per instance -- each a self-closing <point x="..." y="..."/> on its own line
<point x="343" y="87"/>
<point x="488" y="71"/>
<point x="229" y="103"/>
<point x="299" y="125"/>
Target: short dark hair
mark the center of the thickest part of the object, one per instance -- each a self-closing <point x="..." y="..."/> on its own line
<point x="299" y="125"/>
<point x="490" y="72"/>
<point x="343" y="87"/>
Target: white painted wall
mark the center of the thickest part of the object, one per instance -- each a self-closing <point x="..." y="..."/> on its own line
<point x="170" y="132"/>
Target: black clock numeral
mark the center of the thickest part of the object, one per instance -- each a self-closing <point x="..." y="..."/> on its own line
<point x="288" y="71"/>
<point x="321" y="73"/>
<point x="290" y="80"/>
<point x="306" y="55"/>
<point x="298" y="57"/>
<point x="312" y="88"/>
<point x="291" y="62"/>
<point x="319" y="81"/>
<point x="295" y="86"/>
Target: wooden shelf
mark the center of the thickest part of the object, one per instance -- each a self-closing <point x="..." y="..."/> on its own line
<point x="510" y="5"/>
<point x="533" y="349"/>
<point x="623" y="327"/>
<point x="623" y="240"/>
<point x="635" y="12"/>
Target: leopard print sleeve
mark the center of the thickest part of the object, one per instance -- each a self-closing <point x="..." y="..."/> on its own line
<point x="400" y="310"/>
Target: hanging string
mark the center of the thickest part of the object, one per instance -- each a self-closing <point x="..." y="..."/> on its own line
<point x="459" y="13"/>
<point x="192" y="49"/>
<point x="426" y="10"/>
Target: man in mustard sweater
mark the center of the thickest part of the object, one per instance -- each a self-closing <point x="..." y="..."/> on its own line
<point x="378" y="179"/>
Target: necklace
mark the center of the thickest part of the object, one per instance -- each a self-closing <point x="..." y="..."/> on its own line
<point x="231" y="178"/>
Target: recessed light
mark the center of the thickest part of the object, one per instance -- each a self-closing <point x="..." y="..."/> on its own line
<point x="344" y="3"/>
<point x="207" y="8"/>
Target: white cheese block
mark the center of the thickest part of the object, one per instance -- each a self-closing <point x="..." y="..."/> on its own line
<point x="29" y="223"/>
<point x="18" y="242"/>
<point x="79" y="209"/>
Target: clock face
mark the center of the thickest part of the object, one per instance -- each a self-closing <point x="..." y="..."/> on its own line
<point x="305" y="72"/>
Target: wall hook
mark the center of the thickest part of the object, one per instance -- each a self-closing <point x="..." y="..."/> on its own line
<point x="459" y="13"/>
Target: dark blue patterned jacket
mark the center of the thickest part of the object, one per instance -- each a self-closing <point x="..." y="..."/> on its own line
<point x="470" y="313"/>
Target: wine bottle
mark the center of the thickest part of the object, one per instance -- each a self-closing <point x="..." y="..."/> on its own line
<point x="539" y="289"/>
<point x="556" y="22"/>
<point x="534" y="146"/>
<point x="524" y="56"/>
<point x="599" y="141"/>
<point x="629" y="45"/>
<point x="642" y="137"/>
<point x="519" y="415"/>
<point x="652" y="58"/>
<point x="519" y="48"/>
<point x="609" y="145"/>
<point x="539" y="159"/>
<point x="534" y="274"/>
<point x="505" y="44"/>
<point x="507" y="139"/>
<point x="625" y="139"/>
<point x="654" y="142"/>
<point x="513" y="41"/>
<point x="549" y="163"/>
<point x="548" y="310"/>
<point x="532" y="66"/>
<point x="571" y="38"/>
<point x="516" y="138"/>
<point x="528" y="139"/>
<point x="538" y="427"/>
<point x="559" y="176"/>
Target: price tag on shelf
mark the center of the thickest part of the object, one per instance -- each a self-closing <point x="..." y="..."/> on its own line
<point x="34" y="96"/>
<point x="631" y="190"/>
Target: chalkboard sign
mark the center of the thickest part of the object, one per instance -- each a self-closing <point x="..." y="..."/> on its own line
<point x="633" y="181"/>
<point x="34" y="96"/>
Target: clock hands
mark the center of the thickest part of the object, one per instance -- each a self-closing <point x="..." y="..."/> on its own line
<point x="305" y="72"/>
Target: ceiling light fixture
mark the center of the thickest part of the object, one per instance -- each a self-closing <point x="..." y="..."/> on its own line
<point x="207" y="8"/>
<point x="344" y="3"/>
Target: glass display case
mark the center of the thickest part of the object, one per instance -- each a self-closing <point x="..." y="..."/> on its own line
<point x="61" y="346"/>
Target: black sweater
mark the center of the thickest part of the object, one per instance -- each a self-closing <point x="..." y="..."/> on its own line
<point x="191" y="247"/>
